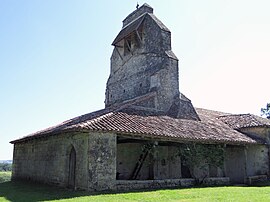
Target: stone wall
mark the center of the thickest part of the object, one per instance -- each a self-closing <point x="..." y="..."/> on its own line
<point x="258" y="155"/>
<point x="147" y="67"/>
<point x="102" y="161"/>
<point x="127" y="185"/>
<point x="47" y="159"/>
<point x="262" y="132"/>
<point x="257" y="179"/>
<point x="99" y="159"/>
<point x="162" y="162"/>
<point x="235" y="164"/>
<point x="244" y="162"/>
<point x="257" y="160"/>
<point x="128" y="155"/>
<point x="216" y="181"/>
<point x="168" y="163"/>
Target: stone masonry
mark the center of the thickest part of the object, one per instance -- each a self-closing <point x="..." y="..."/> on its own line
<point x="143" y="62"/>
<point x="47" y="160"/>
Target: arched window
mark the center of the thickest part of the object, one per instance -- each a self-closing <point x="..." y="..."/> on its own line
<point x="72" y="168"/>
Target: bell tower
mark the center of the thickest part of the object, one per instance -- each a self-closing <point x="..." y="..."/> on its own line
<point x="142" y="62"/>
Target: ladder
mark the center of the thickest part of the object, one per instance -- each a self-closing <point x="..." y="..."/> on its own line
<point x="140" y="162"/>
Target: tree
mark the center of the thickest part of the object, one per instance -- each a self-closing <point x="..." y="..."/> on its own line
<point x="5" y="167"/>
<point x="201" y="156"/>
<point x="266" y="111"/>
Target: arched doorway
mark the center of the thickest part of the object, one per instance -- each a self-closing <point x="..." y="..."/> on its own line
<point x="72" y="168"/>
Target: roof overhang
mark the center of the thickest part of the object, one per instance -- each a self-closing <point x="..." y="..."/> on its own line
<point x="128" y="29"/>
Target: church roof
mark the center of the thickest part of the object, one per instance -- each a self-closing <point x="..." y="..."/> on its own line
<point x="127" y="120"/>
<point x="238" y="121"/>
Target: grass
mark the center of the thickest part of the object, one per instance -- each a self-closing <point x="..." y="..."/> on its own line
<point x="21" y="191"/>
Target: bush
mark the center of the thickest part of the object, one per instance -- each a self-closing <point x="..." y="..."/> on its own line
<point x="5" y="176"/>
<point x="5" y="167"/>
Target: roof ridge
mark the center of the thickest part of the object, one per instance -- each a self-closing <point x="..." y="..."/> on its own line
<point x="235" y="115"/>
<point x="261" y="119"/>
<point x="247" y="120"/>
<point x="212" y="110"/>
<point x="97" y="119"/>
<point x="133" y="21"/>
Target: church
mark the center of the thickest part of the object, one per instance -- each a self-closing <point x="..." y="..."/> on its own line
<point x="149" y="135"/>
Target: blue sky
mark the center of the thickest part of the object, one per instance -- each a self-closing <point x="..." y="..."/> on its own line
<point x="55" y="57"/>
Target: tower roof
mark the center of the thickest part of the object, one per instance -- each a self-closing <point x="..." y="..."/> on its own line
<point x="145" y="8"/>
<point x="134" y="25"/>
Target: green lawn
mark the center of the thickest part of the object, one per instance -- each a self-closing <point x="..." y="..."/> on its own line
<point x="18" y="192"/>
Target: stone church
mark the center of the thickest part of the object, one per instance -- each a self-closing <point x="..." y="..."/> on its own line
<point x="149" y="135"/>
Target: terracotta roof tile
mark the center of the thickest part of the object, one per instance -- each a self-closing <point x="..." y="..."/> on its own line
<point x="161" y="127"/>
<point x="237" y="121"/>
